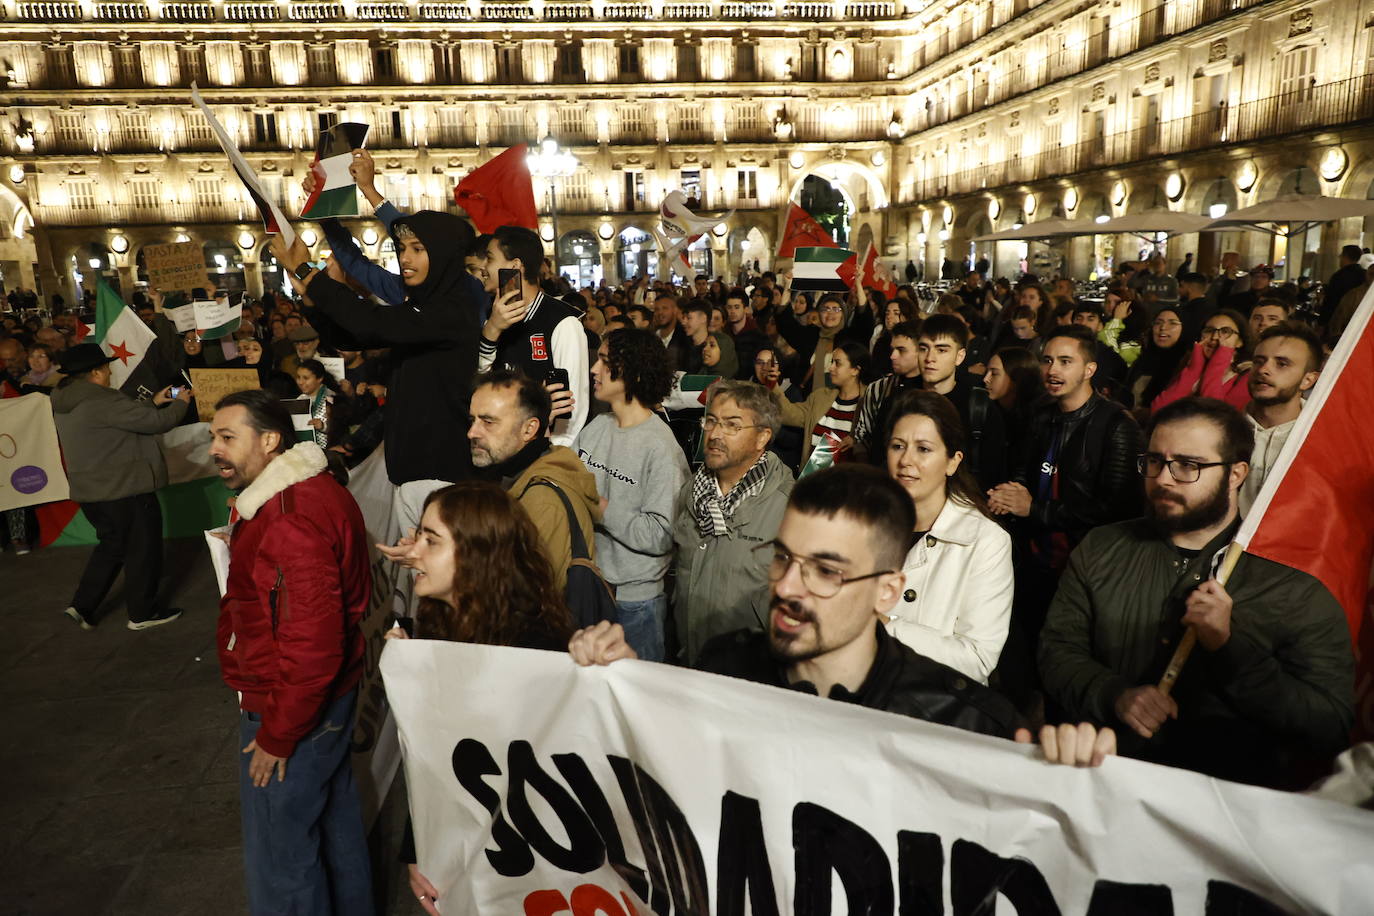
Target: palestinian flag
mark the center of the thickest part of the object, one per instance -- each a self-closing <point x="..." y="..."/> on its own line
<point x="335" y="191"/>
<point x="802" y="230"/>
<point x="217" y="319"/>
<point x="830" y="270"/>
<point x="138" y="368"/>
<point x="273" y="219"/>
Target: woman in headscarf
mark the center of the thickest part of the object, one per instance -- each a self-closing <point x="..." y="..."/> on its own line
<point x="433" y="339"/>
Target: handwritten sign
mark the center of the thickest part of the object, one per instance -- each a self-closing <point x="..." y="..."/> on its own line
<point x="213" y="384"/>
<point x="176" y="267"/>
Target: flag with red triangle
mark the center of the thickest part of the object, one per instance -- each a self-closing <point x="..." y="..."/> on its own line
<point x="802" y="231"/>
<point x="876" y="275"/>
<point x="1325" y="474"/>
<point x="499" y="193"/>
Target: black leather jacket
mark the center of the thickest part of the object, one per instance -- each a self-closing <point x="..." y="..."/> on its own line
<point x="900" y="681"/>
<point x="1098" y="481"/>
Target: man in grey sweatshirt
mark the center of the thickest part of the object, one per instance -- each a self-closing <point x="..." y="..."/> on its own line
<point x="639" y="470"/>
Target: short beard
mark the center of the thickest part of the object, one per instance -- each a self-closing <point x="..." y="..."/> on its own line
<point x="1284" y="396"/>
<point x="1211" y="511"/>
<point x="778" y="646"/>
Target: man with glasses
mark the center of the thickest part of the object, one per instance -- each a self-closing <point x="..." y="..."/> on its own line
<point x="732" y="505"/>
<point x="834" y="570"/>
<point x="1270" y="686"/>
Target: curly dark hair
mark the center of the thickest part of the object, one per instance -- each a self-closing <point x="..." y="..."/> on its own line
<point x="503" y="583"/>
<point x="637" y="358"/>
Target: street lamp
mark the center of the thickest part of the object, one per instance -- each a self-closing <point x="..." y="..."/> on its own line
<point x="552" y="163"/>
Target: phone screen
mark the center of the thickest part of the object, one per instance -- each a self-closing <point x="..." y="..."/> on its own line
<point x="175" y="392"/>
<point x="508" y="280"/>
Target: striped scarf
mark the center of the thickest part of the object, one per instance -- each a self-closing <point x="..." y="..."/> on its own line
<point x="710" y="509"/>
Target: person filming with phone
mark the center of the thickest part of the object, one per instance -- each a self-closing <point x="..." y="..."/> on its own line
<point x="532" y="332"/>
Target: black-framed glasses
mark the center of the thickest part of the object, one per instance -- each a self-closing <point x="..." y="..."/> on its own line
<point x="820" y="577"/>
<point x="1219" y="332"/>
<point x="1183" y="470"/>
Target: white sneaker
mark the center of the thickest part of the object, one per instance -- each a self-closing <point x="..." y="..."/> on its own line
<point x="157" y="620"/>
<point x="80" y="618"/>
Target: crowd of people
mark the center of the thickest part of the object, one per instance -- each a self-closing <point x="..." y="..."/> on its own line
<point x="997" y="506"/>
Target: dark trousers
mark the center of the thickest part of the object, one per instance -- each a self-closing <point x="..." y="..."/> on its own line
<point x="304" y="847"/>
<point x="130" y="535"/>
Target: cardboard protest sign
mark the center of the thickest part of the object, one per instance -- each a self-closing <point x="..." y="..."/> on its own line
<point x="176" y="267"/>
<point x="30" y="464"/>
<point x="212" y="384"/>
<point x="537" y="786"/>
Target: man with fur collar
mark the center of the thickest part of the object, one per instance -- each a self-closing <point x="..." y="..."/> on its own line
<point x="290" y="643"/>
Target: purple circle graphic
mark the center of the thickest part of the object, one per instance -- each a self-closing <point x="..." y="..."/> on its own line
<point x="29" y="479"/>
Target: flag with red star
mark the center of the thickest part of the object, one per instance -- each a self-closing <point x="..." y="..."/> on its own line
<point x="123" y="335"/>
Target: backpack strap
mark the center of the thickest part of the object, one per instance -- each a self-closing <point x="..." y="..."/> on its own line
<point x="579" y="543"/>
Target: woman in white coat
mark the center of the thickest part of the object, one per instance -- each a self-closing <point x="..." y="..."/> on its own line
<point x="956" y="605"/>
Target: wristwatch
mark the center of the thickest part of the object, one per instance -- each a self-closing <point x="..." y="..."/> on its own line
<point x="303" y="270"/>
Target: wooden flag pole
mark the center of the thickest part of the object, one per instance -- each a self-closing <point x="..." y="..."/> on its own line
<point x="1185" y="645"/>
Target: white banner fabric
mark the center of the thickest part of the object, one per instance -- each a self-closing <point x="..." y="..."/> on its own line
<point x="539" y="787"/>
<point x="31" y="469"/>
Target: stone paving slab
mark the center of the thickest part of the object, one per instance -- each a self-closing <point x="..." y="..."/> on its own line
<point x="120" y="753"/>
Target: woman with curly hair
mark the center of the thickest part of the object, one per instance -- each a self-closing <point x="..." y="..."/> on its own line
<point x="482" y="577"/>
<point x="639" y="469"/>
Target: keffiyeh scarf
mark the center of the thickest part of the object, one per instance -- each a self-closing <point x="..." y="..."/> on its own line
<point x="711" y="509"/>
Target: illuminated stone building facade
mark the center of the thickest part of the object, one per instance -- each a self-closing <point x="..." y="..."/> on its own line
<point x="936" y="121"/>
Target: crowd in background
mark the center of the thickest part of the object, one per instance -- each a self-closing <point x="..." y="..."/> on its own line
<point x="1025" y="424"/>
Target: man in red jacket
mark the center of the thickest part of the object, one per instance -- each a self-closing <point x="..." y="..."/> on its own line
<point x="290" y="644"/>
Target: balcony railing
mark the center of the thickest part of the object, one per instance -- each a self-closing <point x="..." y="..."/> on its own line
<point x="1304" y="109"/>
<point x="451" y="11"/>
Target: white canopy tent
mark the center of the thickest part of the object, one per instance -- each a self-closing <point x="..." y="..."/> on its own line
<point x="1045" y="229"/>
<point x="1154" y="223"/>
<point x="1289" y="216"/>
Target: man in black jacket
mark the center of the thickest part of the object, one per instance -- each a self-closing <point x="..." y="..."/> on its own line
<point x="836" y="568"/>
<point x="1349" y="276"/>
<point x="943" y="348"/>
<point x="1076" y="471"/>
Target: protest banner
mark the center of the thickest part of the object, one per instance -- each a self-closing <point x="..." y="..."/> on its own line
<point x="538" y="787"/>
<point x="376" y="748"/>
<point x="183" y="317"/>
<point x="176" y="267"/>
<point x="212" y="384"/>
<point x="31" y="470"/>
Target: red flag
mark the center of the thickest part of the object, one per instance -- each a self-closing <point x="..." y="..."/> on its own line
<point x="499" y="193"/>
<point x="848" y="270"/>
<point x="802" y="231"/>
<point x="876" y="275"/>
<point x="1314" y="510"/>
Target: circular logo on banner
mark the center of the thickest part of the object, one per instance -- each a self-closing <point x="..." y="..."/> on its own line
<point x="29" y="479"/>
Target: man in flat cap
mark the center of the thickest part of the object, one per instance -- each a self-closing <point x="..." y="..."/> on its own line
<point x="305" y="340"/>
<point x="114" y="466"/>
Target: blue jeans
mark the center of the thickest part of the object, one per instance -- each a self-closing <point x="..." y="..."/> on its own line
<point x="643" y="623"/>
<point x="304" y="848"/>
